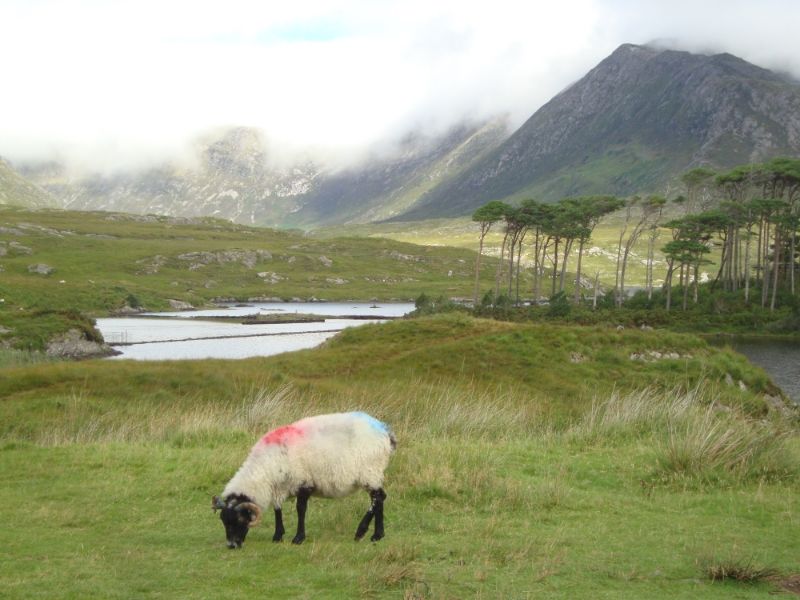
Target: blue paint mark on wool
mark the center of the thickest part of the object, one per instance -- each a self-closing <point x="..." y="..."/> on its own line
<point x="374" y="423"/>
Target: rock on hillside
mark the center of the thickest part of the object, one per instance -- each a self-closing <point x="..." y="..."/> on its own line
<point x="639" y="119"/>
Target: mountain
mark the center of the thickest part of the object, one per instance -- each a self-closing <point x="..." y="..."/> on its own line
<point x="633" y="124"/>
<point x="228" y="177"/>
<point x="383" y="187"/>
<point x="15" y="190"/>
<point x="232" y="176"/>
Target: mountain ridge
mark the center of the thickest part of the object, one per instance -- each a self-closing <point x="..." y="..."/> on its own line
<point x="234" y="178"/>
<point x="633" y="122"/>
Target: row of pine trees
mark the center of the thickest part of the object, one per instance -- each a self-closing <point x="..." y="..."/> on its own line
<point x="750" y="213"/>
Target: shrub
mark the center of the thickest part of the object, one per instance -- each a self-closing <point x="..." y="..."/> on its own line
<point x="559" y="305"/>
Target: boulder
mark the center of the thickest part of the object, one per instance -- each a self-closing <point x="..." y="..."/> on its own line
<point x="73" y="344"/>
<point x="180" y="305"/>
<point x="41" y="269"/>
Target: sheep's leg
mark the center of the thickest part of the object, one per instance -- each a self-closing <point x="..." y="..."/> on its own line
<point x="279" y="530"/>
<point x="376" y="511"/>
<point x="378" y="497"/>
<point x="302" y="503"/>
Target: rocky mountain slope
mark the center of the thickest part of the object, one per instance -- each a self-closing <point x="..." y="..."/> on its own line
<point x="233" y="178"/>
<point x="634" y="123"/>
<point x="229" y="178"/>
<point x="16" y="190"/>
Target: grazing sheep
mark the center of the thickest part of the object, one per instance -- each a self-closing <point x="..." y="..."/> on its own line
<point x="327" y="455"/>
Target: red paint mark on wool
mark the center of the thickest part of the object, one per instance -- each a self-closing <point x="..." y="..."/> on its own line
<point x="283" y="435"/>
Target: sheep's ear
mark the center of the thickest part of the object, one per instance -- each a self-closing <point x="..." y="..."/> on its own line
<point x="217" y="504"/>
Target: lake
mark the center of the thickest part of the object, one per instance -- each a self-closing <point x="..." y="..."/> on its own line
<point x="779" y="358"/>
<point x="186" y="335"/>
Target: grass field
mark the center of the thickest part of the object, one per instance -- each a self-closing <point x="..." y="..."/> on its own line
<point x="101" y="261"/>
<point x="533" y="461"/>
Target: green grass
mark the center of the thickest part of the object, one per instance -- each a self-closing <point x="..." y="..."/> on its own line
<point x="515" y="477"/>
<point x="103" y="261"/>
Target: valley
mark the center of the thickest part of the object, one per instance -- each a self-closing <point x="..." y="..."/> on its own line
<point x="552" y="440"/>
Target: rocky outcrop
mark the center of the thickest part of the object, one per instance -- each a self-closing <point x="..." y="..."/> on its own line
<point x="180" y="305"/>
<point x="41" y="269"/>
<point x="74" y="345"/>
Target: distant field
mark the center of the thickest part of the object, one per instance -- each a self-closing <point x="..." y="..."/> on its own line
<point x="463" y="233"/>
<point x="532" y="462"/>
<point x="99" y="262"/>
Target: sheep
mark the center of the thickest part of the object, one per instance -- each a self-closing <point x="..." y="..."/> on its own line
<point x="326" y="455"/>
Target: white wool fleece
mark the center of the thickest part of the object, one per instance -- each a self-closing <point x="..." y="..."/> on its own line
<point x="334" y="454"/>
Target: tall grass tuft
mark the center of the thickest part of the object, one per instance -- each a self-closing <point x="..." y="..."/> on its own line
<point x="739" y="569"/>
<point x="693" y="436"/>
<point x="714" y="445"/>
<point x="636" y="413"/>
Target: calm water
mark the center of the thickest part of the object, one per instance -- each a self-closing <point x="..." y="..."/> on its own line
<point x="326" y="309"/>
<point x="187" y="336"/>
<point x="779" y="358"/>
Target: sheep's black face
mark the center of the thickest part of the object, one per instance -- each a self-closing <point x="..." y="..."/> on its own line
<point x="237" y="524"/>
<point x="238" y="515"/>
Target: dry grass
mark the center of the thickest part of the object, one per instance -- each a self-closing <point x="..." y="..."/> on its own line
<point x="739" y="569"/>
<point x="694" y="436"/>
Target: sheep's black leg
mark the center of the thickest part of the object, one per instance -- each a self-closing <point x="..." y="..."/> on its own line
<point x="302" y="503"/>
<point x="378" y="497"/>
<point x="376" y="511"/>
<point x="279" y="530"/>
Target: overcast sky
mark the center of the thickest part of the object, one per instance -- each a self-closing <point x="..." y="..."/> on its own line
<point x="113" y="83"/>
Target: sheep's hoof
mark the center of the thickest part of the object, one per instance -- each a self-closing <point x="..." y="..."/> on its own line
<point x="360" y="533"/>
<point x="298" y="539"/>
<point x="376" y="536"/>
<point x="277" y="538"/>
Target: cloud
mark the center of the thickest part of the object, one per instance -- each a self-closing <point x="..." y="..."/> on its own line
<point x="120" y="83"/>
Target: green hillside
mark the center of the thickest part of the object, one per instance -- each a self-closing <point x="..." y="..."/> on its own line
<point x="101" y="262"/>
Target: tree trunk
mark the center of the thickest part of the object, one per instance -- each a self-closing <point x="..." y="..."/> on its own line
<point x="555" y="268"/>
<point x="792" y="247"/>
<point x="499" y="270"/>
<point x="776" y="267"/>
<point x="536" y="266"/>
<point x="519" y="261"/>
<point x="747" y="267"/>
<point x="577" y="296"/>
<point x="567" y="250"/>
<point x="686" y="288"/>
<point x="765" y="269"/>
<point x="670" y="271"/>
<point x="478" y="269"/>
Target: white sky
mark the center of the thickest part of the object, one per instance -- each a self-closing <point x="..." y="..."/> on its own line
<point x="114" y="83"/>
